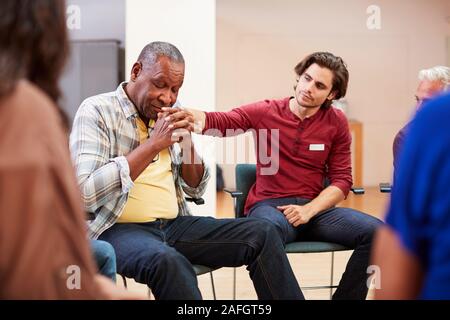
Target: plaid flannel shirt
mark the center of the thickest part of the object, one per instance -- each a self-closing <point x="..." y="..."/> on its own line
<point x="104" y="132"/>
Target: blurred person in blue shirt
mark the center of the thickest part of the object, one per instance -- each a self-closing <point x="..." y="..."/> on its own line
<point x="413" y="250"/>
<point x="432" y="82"/>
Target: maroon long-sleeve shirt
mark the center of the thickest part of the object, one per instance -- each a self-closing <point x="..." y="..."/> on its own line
<point x="309" y="149"/>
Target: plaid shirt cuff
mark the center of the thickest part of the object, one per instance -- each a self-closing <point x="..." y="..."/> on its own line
<point x="124" y="173"/>
<point x="198" y="191"/>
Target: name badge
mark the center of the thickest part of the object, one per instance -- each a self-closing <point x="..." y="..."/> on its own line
<point x="316" y="147"/>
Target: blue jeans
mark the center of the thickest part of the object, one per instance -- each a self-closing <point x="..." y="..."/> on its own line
<point x="161" y="253"/>
<point x="105" y="257"/>
<point x="344" y="226"/>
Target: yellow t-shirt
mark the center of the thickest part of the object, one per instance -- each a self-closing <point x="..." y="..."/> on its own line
<point x="153" y="194"/>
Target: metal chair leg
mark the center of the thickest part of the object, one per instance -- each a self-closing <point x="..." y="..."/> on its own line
<point x="234" y="269"/>
<point x="332" y="274"/>
<point x="212" y="285"/>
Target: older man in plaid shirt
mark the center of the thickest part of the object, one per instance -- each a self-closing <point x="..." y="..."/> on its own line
<point x="133" y="180"/>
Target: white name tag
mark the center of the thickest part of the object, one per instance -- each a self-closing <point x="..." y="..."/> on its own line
<point x="316" y="147"/>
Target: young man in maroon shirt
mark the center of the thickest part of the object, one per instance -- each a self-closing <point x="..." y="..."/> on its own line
<point x="313" y="142"/>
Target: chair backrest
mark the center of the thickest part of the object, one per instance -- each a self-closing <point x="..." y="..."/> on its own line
<point x="245" y="178"/>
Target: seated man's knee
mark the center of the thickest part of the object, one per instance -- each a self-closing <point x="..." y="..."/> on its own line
<point x="370" y="229"/>
<point x="102" y="251"/>
<point x="164" y="261"/>
<point x="275" y="218"/>
<point x="105" y="258"/>
<point x="264" y="231"/>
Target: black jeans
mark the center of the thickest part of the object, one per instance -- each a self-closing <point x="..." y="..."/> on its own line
<point x="348" y="227"/>
<point x="161" y="253"/>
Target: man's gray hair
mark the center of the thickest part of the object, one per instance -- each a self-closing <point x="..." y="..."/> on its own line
<point x="437" y="73"/>
<point x="152" y="51"/>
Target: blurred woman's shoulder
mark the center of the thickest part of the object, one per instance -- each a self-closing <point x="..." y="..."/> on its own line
<point x="27" y="100"/>
<point x="31" y="127"/>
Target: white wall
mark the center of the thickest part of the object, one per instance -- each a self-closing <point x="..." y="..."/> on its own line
<point x="189" y="25"/>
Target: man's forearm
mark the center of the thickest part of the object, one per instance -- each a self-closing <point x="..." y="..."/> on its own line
<point x="140" y="158"/>
<point x="192" y="169"/>
<point x="328" y="198"/>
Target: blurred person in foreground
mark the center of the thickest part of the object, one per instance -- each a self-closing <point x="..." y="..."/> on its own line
<point x="432" y="82"/>
<point x="43" y="241"/>
<point x="413" y="250"/>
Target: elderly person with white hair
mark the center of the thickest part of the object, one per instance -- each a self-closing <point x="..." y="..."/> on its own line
<point x="433" y="81"/>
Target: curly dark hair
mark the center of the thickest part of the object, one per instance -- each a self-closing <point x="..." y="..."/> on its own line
<point x="337" y="67"/>
<point x="33" y="44"/>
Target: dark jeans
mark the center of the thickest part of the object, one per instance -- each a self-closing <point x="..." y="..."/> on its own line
<point x="161" y="253"/>
<point x="105" y="258"/>
<point x="344" y="226"/>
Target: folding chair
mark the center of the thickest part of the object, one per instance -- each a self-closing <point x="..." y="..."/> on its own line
<point x="245" y="178"/>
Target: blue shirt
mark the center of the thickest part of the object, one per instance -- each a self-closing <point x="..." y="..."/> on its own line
<point x="419" y="210"/>
<point x="398" y="144"/>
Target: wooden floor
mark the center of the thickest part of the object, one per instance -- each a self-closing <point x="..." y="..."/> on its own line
<point x="310" y="269"/>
